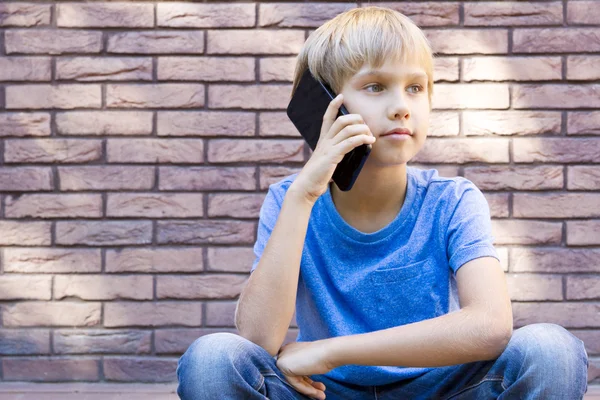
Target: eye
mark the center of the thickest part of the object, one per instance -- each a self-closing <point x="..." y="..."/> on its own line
<point x="418" y="88"/>
<point x="374" y="85"/>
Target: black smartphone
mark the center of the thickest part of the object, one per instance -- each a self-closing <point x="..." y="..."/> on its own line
<point x="306" y="110"/>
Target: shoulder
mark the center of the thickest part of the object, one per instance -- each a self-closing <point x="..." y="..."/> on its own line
<point x="440" y="189"/>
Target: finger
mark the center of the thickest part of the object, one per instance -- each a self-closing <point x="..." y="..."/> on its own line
<point x="352" y="142"/>
<point x="349" y="131"/>
<point x="343" y="122"/>
<point x="316" y="385"/>
<point x="331" y="113"/>
<point x="305" y="388"/>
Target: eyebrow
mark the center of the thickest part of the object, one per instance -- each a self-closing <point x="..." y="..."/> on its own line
<point x="376" y="72"/>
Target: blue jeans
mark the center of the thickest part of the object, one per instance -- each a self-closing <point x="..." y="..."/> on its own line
<point x="541" y="361"/>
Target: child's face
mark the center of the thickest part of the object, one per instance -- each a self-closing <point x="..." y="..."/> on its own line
<point x="396" y="98"/>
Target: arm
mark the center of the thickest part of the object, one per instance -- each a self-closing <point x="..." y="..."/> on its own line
<point x="266" y="305"/>
<point x="480" y="330"/>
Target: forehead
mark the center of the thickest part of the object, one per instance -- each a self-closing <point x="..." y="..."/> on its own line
<point x="393" y="69"/>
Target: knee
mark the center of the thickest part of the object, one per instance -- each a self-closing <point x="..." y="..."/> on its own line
<point x="550" y="346"/>
<point x="209" y="359"/>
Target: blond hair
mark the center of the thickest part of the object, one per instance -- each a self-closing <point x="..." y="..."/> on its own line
<point x="339" y="48"/>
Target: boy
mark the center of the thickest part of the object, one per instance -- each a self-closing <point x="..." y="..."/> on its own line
<point x="376" y="274"/>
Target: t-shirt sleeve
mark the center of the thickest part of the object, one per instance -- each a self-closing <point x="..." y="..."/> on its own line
<point x="269" y="211"/>
<point x="469" y="232"/>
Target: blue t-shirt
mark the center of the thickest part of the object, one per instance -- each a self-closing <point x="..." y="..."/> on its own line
<point x="353" y="282"/>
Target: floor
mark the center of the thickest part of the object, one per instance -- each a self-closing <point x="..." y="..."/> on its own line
<point x="112" y="391"/>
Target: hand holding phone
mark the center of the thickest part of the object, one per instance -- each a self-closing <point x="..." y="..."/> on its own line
<point x="338" y="137"/>
<point x="341" y="142"/>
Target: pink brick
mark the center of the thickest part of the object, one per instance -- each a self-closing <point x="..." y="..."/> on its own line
<point x="583" y="233"/>
<point x="22" y="233"/>
<point x="252" y="150"/>
<point x="50" y="369"/>
<point x="166" y="95"/>
<point x="105" y="15"/>
<point x="583" y="287"/>
<point x="587" y="123"/>
<point x="513" y="13"/>
<point x="52" y="150"/>
<point x="25" y="287"/>
<point x="248" y="97"/>
<point x="230" y="259"/>
<point x="24" y="341"/>
<point x="97" y="177"/>
<point x="25" y="179"/>
<point x="270" y="175"/>
<point x="277" y="69"/>
<point x="24" y="124"/>
<point x="202" y="232"/>
<point x="275" y="123"/>
<point x="462" y="151"/>
<point x="178" y="340"/>
<point x="118" y="314"/>
<point x="471" y="95"/>
<point x="445" y="69"/>
<point x="556" y="40"/>
<point x="54" y="206"/>
<point x="220" y="313"/>
<point x="472" y="41"/>
<point x="569" y="205"/>
<point x="206" y="123"/>
<point x="15" y="14"/>
<point x="516" y="178"/>
<point x="299" y="15"/>
<point x="156" y="42"/>
<point x="99" y="287"/>
<point x="155" y="260"/>
<point x="190" y="15"/>
<point x="155" y="150"/>
<point x="104" y="122"/>
<point x="213" y="286"/>
<point x="103" y="233"/>
<point x="24" y="68"/>
<point x="443" y="123"/>
<point x="583" y="67"/>
<point x="568" y="315"/>
<point x="555" y="260"/>
<point x="155" y="205"/>
<point x="52" y="41"/>
<point x="256" y="41"/>
<point x="511" y="122"/>
<point x="93" y="69"/>
<point x="68" y="96"/>
<point x="544" y="96"/>
<point x="556" y="150"/>
<point x="498" y="203"/>
<point x="526" y="232"/>
<point x="583" y="12"/>
<point x="235" y="205"/>
<point x="206" y="69"/>
<point x="534" y="287"/>
<point x="140" y="369"/>
<point x="427" y="13"/>
<point x="96" y="341"/>
<point x="207" y="178"/>
<point x="51" y="260"/>
<point x="583" y="178"/>
<point x="34" y="313"/>
<point x="512" y="68"/>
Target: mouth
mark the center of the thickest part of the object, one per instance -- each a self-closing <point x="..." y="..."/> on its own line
<point x="402" y="131"/>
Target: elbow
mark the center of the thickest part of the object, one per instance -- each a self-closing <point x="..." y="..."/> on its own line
<point x="271" y="348"/>
<point x="498" y="339"/>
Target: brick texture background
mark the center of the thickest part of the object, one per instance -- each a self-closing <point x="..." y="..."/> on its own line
<point x="137" y="141"/>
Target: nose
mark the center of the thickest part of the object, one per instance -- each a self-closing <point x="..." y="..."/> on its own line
<point x="399" y="106"/>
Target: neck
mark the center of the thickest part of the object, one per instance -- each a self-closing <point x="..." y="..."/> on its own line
<point x="377" y="190"/>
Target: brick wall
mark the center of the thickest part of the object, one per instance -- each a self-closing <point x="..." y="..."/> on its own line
<point x="137" y="140"/>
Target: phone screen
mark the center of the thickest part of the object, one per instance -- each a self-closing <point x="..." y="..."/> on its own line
<point x="306" y="111"/>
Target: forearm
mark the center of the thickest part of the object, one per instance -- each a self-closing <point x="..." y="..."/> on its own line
<point x="455" y="338"/>
<point x="267" y="303"/>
